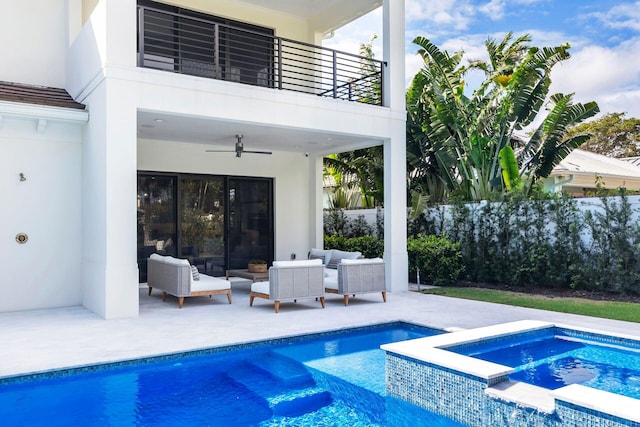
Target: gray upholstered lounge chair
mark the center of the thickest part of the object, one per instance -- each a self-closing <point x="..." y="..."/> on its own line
<point x="291" y="280"/>
<point x="358" y="276"/>
<point x="175" y="277"/>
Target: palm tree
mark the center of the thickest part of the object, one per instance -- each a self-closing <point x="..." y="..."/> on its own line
<point x="465" y="137"/>
<point x="362" y="169"/>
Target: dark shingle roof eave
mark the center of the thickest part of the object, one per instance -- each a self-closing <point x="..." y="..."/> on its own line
<point x="38" y="95"/>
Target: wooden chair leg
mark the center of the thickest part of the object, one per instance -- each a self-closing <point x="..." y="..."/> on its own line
<point x="251" y="301"/>
<point x="149" y="290"/>
<point x="229" y="297"/>
<point x="277" y="306"/>
<point x="384" y="296"/>
<point x="346" y="300"/>
<point x="164" y="296"/>
<point x="322" y="301"/>
<point x="180" y="301"/>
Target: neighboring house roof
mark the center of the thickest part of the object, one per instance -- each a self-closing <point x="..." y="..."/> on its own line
<point x="580" y="162"/>
<point x="633" y="160"/>
<point x="38" y="95"/>
<point x="577" y="173"/>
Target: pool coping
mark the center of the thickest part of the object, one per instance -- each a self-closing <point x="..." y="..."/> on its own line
<point x="244" y="345"/>
<point x="432" y="351"/>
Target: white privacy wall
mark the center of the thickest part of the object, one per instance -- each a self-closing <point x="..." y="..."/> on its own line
<point x="45" y="271"/>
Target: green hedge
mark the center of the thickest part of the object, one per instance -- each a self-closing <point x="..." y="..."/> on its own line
<point x="545" y="242"/>
<point x="369" y="246"/>
<point x="439" y="260"/>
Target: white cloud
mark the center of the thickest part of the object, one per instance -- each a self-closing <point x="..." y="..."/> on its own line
<point x="453" y="14"/>
<point x="622" y="16"/>
<point x="494" y="9"/>
<point x="609" y="76"/>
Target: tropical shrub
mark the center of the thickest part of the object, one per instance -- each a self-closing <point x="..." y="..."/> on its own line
<point x="465" y="144"/>
<point x="369" y="246"/>
<point x="336" y="222"/>
<point x="438" y="260"/>
<point x="522" y="242"/>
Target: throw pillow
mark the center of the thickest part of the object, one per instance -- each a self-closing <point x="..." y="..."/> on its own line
<point x="334" y="263"/>
<point x="320" y="257"/>
<point x="195" y="273"/>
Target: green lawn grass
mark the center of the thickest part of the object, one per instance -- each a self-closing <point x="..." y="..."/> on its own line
<point x="605" y="309"/>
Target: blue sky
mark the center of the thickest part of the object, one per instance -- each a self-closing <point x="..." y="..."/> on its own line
<point x="604" y="36"/>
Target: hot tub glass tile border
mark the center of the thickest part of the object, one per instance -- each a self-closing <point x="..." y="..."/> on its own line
<point x="598" y="338"/>
<point x="446" y="391"/>
<point x="579" y="416"/>
<point x="518" y="338"/>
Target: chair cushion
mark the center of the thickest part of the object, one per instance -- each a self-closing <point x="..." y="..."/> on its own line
<point x="320" y="257"/>
<point x="331" y="283"/>
<point x="260" y="287"/>
<point x="195" y="273"/>
<point x="337" y="256"/>
<point x="299" y="263"/>
<point x="210" y="283"/>
<point x="330" y="273"/>
<point x="322" y="254"/>
<point x="363" y="261"/>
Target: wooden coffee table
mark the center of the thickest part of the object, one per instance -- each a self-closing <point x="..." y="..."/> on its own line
<point x="254" y="277"/>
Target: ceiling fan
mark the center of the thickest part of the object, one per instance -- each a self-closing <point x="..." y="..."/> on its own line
<point x="239" y="148"/>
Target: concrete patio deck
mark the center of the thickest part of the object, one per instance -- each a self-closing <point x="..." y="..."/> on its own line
<point x="36" y="341"/>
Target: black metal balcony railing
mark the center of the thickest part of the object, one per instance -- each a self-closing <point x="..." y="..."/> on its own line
<point x="206" y="48"/>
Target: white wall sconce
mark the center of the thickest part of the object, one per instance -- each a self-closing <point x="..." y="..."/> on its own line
<point x="22" y="177"/>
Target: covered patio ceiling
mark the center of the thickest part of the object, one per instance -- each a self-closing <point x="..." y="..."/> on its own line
<point x="221" y="133"/>
<point x="324" y="15"/>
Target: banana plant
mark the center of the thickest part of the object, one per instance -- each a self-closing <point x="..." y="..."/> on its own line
<point x="510" y="171"/>
<point x="473" y="136"/>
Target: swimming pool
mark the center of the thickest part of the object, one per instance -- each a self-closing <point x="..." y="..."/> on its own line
<point x="326" y="379"/>
<point x="557" y="357"/>
<point x="490" y="389"/>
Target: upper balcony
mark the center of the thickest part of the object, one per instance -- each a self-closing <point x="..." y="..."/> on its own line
<point x="187" y="42"/>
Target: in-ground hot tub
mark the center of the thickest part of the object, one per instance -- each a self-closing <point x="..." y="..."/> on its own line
<point x="526" y="373"/>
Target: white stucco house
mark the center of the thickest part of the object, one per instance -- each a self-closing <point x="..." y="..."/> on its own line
<point x="580" y="173"/>
<point x="111" y="115"/>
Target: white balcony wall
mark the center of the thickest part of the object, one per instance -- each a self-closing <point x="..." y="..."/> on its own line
<point x="45" y="271"/>
<point x="34" y="42"/>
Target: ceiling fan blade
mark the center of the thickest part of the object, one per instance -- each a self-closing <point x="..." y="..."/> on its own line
<point x="220" y="151"/>
<point x="257" y="152"/>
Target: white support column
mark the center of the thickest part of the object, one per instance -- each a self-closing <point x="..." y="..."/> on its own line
<point x="109" y="269"/>
<point x="394" y="53"/>
<point x="395" y="191"/>
<point x="395" y="213"/>
<point x="109" y="171"/>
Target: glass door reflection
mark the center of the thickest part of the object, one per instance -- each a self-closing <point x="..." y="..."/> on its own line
<point x="250" y="221"/>
<point x="202" y="223"/>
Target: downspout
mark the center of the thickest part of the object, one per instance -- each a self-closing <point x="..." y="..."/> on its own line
<point x="564" y="182"/>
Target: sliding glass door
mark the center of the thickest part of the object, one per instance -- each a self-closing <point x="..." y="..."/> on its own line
<point x="216" y="222"/>
<point x="202" y="208"/>
<point x="157" y="229"/>
<point x="250" y="221"/>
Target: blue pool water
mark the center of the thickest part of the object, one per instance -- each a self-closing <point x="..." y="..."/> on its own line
<point x="552" y="358"/>
<point x="333" y="379"/>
